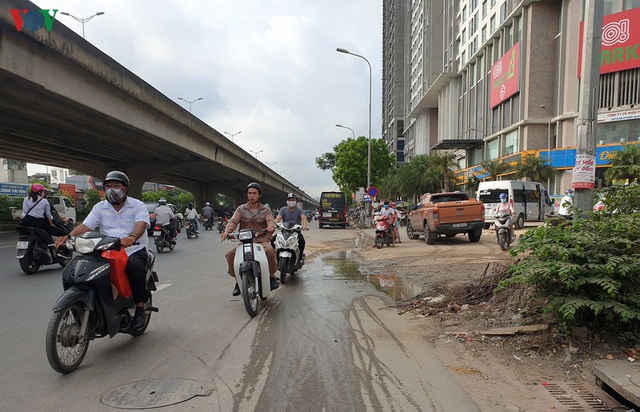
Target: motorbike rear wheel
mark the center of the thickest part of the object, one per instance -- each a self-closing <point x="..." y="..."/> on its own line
<point x="64" y="346"/>
<point x="250" y="294"/>
<point x="159" y="245"/>
<point x="502" y="241"/>
<point x="379" y="242"/>
<point x="28" y="265"/>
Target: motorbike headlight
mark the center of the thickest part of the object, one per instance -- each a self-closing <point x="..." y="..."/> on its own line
<point x="245" y="235"/>
<point x="86" y="245"/>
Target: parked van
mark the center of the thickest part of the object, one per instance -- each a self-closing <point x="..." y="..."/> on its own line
<point x="530" y="200"/>
<point x="64" y="206"/>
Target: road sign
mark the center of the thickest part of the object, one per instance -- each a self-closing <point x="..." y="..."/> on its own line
<point x="372" y="191"/>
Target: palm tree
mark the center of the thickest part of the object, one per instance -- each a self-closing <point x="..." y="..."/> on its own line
<point x="494" y="168"/>
<point x="535" y="168"/>
<point x="446" y="164"/>
<point x="625" y="165"/>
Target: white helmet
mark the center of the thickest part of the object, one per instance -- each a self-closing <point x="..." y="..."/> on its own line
<point x="207" y="204"/>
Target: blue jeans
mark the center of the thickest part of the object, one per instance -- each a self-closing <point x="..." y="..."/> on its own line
<point x="195" y="223"/>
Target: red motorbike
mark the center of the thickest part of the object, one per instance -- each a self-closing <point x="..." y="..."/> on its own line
<point x="384" y="235"/>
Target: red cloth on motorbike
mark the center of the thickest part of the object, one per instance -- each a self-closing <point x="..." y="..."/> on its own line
<point x="118" y="263"/>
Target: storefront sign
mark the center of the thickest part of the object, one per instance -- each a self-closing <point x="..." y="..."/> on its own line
<point x="14" y="189"/>
<point x="584" y="172"/>
<point x="505" y="81"/>
<point x="618" y="116"/>
<point x="620" y="42"/>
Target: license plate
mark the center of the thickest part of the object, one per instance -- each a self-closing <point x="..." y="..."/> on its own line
<point x="326" y="214"/>
<point x="22" y="245"/>
<point x="459" y="225"/>
<point x="156" y="233"/>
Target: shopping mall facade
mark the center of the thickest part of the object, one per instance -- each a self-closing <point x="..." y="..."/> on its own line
<point x="496" y="79"/>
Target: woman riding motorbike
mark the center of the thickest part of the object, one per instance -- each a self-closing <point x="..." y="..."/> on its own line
<point x="37" y="212"/>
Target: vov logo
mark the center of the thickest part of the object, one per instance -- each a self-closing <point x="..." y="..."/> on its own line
<point x="33" y="20"/>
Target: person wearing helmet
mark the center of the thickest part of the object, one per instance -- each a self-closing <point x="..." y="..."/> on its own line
<point x="255" y="216"/>
<point x="292" y="213"/>
<point x="566" y="205"/>
<point x="207" y="213"/>
<point x="127" y="218"/>
<point x="190" y="213"/>
<point x="166" y="218"/>
<point x="506" y="207"/>
<point x="37" y="211"/>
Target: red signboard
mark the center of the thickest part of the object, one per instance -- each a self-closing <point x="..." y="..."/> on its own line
<point x="68" y="191"/>
<point x="505" y="79"/>
<point x="620" y="42"/>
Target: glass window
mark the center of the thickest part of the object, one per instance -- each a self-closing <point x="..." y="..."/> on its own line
<point x="493" y="149"/>
<point x="492" y="24"/>
<point x="511" y="142"/>
<point x="484" y="9"/>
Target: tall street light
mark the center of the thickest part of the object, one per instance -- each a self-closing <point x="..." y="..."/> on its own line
<point x="542" y="106"/>
<point x="256" y="153"/>
<point x="190" y="102"/>
<point x="232" y="134"/>
<point x="345" y="51"/>
<point x="82" y="20"/>
<point x="345" y="127"/>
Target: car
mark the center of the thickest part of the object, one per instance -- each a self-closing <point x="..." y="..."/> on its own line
<point x="151" y="207"/>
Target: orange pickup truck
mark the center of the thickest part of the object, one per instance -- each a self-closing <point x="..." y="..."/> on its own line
<point x="446" y="214"/>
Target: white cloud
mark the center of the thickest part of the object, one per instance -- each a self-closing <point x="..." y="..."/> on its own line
<point x="267" y="68"/>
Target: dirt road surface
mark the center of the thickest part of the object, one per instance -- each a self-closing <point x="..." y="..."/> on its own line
<point x="451" y="284"/>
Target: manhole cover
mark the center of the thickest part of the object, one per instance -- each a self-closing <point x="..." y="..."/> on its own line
<point x="152" y="393"/>
<point x="574" y="397"/>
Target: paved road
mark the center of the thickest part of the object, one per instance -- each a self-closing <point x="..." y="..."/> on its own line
<point x="321" y="342"/>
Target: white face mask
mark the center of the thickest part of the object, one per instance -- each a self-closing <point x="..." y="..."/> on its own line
<point x="291" y="203"/>
<point x="114" y="195"/>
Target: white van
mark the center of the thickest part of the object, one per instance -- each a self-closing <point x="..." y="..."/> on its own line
<point x="64" y="206"/>
<point x="530" y="200"/>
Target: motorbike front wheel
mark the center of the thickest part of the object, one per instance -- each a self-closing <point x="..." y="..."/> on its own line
<point x="250" y="293"/>
<point x="502" y="241"/>
<point x="28" y="265"/>
<point x="283" y="265"/>
<point x="64" y="345"/>
<point x="379" y="242"/>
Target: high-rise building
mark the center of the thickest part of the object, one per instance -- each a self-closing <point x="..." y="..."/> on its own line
<point x="13" y="171"/>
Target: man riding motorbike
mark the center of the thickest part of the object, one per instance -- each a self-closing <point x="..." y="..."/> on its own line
<point x="165" y="217"/>
<point x="390" y="213"/>
<point x="505" y="207"/>
<point x="207" y="213"/>
<point x="127" y="218"/>
<point x="254" y="216"/>
<point x="191" y="214"/>
<point x="292" y="213"/>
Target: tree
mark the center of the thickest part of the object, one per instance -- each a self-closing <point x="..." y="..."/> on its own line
<point x="446" y="164"/>
<point x="422" y="174"/>
<point x="91" y="197"/>
<point x="494" y="168"/>
<point x="625" y="165"/>
<point x="535" y="168"/>
<point x="348" y="163"/>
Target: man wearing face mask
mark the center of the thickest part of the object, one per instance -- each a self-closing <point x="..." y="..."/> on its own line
<point x="128" y="219"/>
<point x="292" y="213"/>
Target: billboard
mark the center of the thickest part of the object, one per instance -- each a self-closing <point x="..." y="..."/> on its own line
<point x="505" y="78"/>
<point x="620" y="42"/>
<point x="14" y="189"/>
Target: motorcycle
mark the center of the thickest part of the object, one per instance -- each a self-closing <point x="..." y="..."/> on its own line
<point x="36" y="248"/>
<point x="190" y="230"/>
<point x="162" y="238"/>
<point x="222" y="225"/>
<point x="251" y="269"/>
<point x="288" y="250"/>
<point x="96" y="302"/>
<point x="208" y="223"/>
<point x="504" y="233"/>
<point x="383" y="232"/>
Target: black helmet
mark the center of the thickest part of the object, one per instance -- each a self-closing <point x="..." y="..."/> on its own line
<point x="255" y="186"/>
<point x="117" y="177"/>
<point x="292" y="196"/>
<point x="190" y="205"/>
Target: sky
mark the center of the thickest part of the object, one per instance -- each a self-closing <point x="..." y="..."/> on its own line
<point x="268" y="69"/>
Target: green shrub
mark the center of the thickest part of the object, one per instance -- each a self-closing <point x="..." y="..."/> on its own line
<point x="589" y="271"/>
<point x="6" y="203"/>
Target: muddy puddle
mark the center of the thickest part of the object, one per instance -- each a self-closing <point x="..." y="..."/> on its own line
<point x="346" y="267"/>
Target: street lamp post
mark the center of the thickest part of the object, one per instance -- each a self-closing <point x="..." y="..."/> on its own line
<point x="542" y="106"/>
<point x="256" y="153"/>
<point x="232" y="134"/>
<point x="345" y="127"/>
<point x="368" y="212"/>
<point x="82" y="20"/>
<point x="190" y="102"/>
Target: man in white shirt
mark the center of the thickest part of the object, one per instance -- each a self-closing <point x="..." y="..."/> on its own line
<point x="566" y="205"/>
<point x="127" y="218"/>
<point x="165" y="217"/>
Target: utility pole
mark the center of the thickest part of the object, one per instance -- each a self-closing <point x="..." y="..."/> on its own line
<point x="588" y="107"/>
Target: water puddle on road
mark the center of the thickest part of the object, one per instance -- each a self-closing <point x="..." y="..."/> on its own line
<point x="347" y="268"/>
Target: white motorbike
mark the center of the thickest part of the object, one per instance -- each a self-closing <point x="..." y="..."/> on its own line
<point x="288" y="249"/>
<point x="504" y="231"/>
<point x="252" y="269"/>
